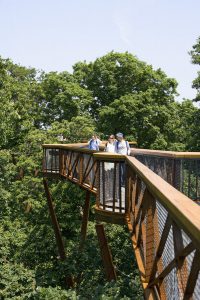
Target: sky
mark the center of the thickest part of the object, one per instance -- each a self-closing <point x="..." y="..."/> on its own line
<point x="53" y="35"/>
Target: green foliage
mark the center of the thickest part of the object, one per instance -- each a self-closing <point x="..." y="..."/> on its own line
<point x="15" y="281"/>
<point x="63" y="98"/>
<point x="152" y="125"/>
<point x="52" y="293"/>
<point x="18" y="97"/>
<point x="118" y="74"/>
<point x="78" y="129"/>
<point x="195" y="55"/>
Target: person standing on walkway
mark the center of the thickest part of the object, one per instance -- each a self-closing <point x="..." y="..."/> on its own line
<point x="109" y="170"/>
<point x="122" y="147"/>
<point x="94" y="143"/>
<point x="110" y="145"/>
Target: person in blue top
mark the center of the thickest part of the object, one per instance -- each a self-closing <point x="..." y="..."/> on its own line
<point x="121" y="145"/>
<point x="94" y="143"/>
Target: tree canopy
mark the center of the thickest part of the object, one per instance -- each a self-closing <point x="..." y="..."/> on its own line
<point x="118" y="74"/>
<point x="195" y="55"/>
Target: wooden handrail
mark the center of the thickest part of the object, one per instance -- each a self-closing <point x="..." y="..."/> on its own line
<point x="170" y="154"/>
<point x="134" y="151"/>
<point x="65" y="146"/>
<point x="108" y="156"/>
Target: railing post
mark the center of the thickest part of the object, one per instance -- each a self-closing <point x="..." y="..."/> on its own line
<point x="54" y="220"/>
<point x="85" y="219"/>
<point x="59" y="241"/>
<point x="128" y="193"/>
<point x="105" y="253"/>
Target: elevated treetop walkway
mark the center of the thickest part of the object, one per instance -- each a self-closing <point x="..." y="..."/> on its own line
<point x="151" y="192"/>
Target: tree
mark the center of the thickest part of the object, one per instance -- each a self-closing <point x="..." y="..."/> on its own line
<point x="63" y="98"/>
<point x="118" y="74"/>
<point x="152" y="125"/>
<point x="19" y="108"/>
<point x="195" y="55"/>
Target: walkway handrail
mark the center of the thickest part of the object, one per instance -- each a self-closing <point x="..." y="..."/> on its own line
<point x="170" y="154"/>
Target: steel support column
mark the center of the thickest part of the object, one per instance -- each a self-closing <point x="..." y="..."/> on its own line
<point x="56" y="227"/>
<point x="85" y="219"/>
<point x="105" y="253"/>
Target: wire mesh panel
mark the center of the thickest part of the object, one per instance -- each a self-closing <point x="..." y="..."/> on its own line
<point x="51" y="161"/>
<point x="89" y="171"/>
<point x="191" y="178"/>
<point x="72" y="163"/>
<point x="182" y="173"/>
<point x="163" y="166"/>
<point x="112" y="186"/>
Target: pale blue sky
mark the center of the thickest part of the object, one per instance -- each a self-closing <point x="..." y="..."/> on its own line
<point x="54" y="34"/>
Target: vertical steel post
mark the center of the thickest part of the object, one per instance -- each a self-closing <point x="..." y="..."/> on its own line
<point x="85" y="219"/>
<point x="59" y="241"/>
<point x="105" y="253"/>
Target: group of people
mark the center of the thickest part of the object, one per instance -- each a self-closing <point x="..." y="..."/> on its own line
<point x="115" y="144"/>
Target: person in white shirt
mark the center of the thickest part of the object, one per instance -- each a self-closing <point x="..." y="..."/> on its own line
<point x="98" y="140"/>
<point x="122" y="146"/>
<point x="110" y="147"/>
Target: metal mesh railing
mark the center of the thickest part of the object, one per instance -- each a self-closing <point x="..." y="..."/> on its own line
<point x="89" y="166"/>
<point x="51" y="161"/>
<point x="112" y="186"/>
<point x="182" y="173"/>
<point x="77" y="165"/>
